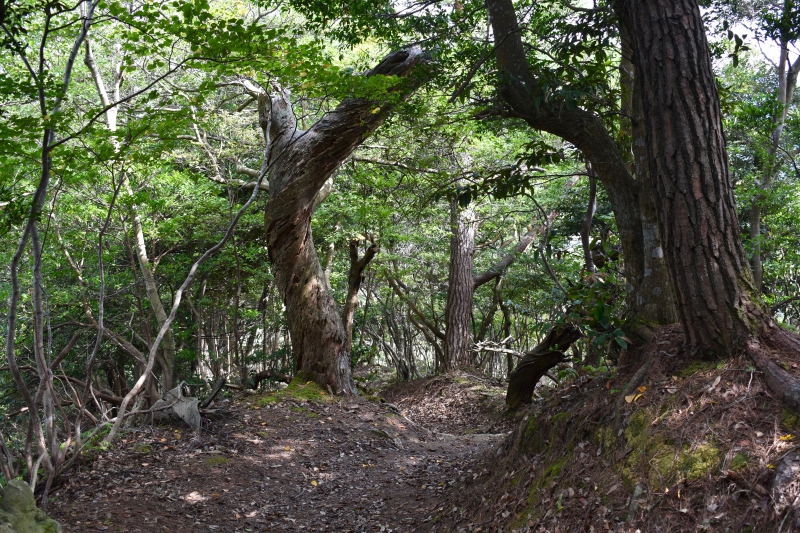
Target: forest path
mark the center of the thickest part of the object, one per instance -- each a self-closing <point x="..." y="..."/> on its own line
<point x="347" y="466"/>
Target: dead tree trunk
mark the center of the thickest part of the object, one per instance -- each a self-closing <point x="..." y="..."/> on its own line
<point x="300" y="164"/>
<point x="537" y="362"/>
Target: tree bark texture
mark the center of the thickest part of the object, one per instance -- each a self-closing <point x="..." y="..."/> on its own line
<point x="655" y="297"/>
<point x="300" y="164"/>
<point x="460" y="288"/>
<point x="717" y="301"/>
<point x="587" y="132"/>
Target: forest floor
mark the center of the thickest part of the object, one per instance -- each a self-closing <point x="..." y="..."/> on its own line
<point x="295" y="460"/>
<point x="674" y="445"/>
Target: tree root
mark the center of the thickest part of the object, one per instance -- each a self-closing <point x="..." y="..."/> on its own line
<point x="762" y="350"/>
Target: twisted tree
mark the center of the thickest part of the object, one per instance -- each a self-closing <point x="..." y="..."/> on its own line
<point x="301" y="162"/>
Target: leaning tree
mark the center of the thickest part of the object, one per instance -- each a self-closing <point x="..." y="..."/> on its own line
<point x="301" y="162"/>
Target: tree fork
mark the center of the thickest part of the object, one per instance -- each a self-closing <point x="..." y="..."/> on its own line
<point x="301" y="164"/>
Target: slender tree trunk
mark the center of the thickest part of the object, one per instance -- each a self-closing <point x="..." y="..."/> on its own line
<point x="586" y="227"/>
<point x="460" y="291"/>
<point x="354" y="280"/>
<point x="151" y="287"/>
<point x="167" y="361"/>
<point x="787" y="81"/>
<point x="587" y="132"/>
<point x="301" y="163"/>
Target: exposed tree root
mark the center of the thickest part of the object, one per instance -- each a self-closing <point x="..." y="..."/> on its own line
<point x="537" y="362"/>
<point x="762" y="351"/>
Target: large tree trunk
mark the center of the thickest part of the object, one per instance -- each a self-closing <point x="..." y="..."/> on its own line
<point x="718" y="303"/>
<point x="300" y="164"/>
<point x="587" y="132"/>
<point x="717" y="300"/>
<point x="654" y="296"/>
<point x="460" y="289"/>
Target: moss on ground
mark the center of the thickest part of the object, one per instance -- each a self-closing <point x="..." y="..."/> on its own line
<point x="701" y="461"/>
<point x="217" y="460"/>
<point x="308" y="413"/>
<point x="790" y="420"/>
<point x="695" y="367"/>
<point x="300" y="389"/>
<point x="739" y="462"/>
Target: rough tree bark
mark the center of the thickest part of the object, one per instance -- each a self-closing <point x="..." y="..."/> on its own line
<point x="718" y="303"/>
<point x="460" y="288"/>
<point x="301" y="162"/>
<point x="587" y="132"/>
<point x="655" y="297"/>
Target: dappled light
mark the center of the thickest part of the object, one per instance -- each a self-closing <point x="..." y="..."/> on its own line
<point x="370" y="266"/>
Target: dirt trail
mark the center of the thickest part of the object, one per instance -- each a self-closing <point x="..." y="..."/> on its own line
<point x="346" y="466"/>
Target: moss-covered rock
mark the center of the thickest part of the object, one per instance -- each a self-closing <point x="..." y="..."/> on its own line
<point x="19" y="514"/>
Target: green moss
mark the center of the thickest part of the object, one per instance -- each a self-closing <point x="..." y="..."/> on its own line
<point x="300" y="389"/>
<point x="652" y="456"/>
<point x="307" y="412"/>
<point x="604" y="437"/>
<point x="549" y="475"/>
<point x="217" y="460"/>
<point x="555" y="468"/>
<point x="739" y="462"/>
<point x="704" y="459"/>
<point x="695" y="367"/>
<point x="531" y="428"/>
<point x="790" y="420"/>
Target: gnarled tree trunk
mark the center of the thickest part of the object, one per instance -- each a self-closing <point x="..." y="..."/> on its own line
<point x="300" y="164"/>
<point x="547" y="354"/>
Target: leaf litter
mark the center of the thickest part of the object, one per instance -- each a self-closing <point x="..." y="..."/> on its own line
<point x="350" y="465"/>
